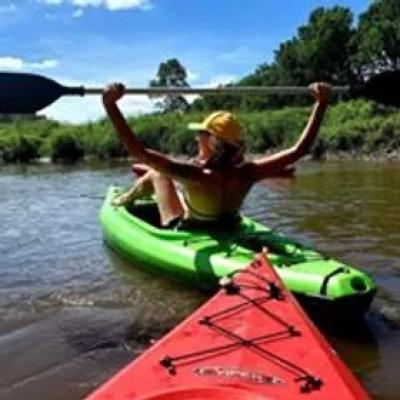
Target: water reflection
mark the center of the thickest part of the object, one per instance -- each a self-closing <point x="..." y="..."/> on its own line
<point x="72" y="312"/>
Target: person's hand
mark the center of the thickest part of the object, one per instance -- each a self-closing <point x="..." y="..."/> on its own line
<point x="113" y="93"/>
<point x="320" y="91"/>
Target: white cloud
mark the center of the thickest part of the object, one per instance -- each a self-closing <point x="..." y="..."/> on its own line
<point x="9" y="8"/>
<point x="11" y="63"/>
<point x="78" y="109"/>
<point x="17" y="63"/>
<point x="52" y="2"/>
<point x="111" y="5"/>
<point x="90" y="108"/>
<point x="44" y="64"/>
<point x="78" y="13"/>
<point x="220" y="80"/>
<point x="191" y="76"/>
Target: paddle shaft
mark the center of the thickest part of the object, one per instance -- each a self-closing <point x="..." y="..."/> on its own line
<point x="23" y="93"/>
<point x="242" y="90"/>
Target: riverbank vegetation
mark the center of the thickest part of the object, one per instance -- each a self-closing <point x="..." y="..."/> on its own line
<point x="331" y="47"/>
<point x="357" y="127"/>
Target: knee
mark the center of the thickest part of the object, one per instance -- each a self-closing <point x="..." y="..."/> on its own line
<point x="157" y="176"/>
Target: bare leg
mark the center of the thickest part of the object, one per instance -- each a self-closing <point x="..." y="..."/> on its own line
<point x="142" y="187"/>
<point x="168" y="202"/>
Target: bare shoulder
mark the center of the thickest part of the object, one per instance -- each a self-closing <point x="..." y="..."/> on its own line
<point x="259" y="169"/>
<point x="247" y="167"/>
<point x="175" y="168"/>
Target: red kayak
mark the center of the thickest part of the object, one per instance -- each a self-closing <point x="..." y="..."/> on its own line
<point x="252" y="340"/>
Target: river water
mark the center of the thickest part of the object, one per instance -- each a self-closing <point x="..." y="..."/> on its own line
<point x="72" y="312"/>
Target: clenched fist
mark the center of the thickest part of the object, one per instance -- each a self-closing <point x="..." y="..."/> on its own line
<point x="320" y="91"/>
<point x="113" y="93"/>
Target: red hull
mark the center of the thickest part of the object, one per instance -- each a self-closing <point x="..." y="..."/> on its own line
<point x="252" y="340"/>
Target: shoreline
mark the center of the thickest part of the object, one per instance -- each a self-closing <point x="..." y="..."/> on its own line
<point x="383" y="155"/>
<point x="354" y="130"/>
<point x="378" y="156"/>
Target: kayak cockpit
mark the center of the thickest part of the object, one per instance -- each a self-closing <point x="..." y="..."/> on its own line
<point x="203" y="256"/>
<point x="147" y="211"/>
<point x="241" y="233"/>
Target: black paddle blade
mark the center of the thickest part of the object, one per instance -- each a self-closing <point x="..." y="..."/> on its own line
<point x="383" y="88"/>
<point x="22" y="93"/>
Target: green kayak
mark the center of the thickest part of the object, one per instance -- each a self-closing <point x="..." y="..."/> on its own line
<point x="202" y="257"/>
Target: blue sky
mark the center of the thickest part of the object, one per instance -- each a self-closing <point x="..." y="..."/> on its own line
<point x="93" y="42"/>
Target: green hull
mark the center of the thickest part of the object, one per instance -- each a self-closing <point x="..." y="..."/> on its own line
<point x="202" y="258"/>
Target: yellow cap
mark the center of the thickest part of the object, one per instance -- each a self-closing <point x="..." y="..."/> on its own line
<point x="223" y="125"/>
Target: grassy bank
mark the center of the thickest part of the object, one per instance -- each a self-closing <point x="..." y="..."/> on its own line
<point x="355" y="127"/>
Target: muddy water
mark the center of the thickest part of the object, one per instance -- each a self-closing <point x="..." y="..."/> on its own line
<point x="72" y="312"/>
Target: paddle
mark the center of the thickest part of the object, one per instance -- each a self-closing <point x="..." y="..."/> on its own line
<point x="22" y="93"/>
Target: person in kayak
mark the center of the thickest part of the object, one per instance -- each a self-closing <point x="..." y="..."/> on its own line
<point x="216" y="182"/>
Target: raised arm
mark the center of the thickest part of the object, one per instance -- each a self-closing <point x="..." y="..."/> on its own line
<point x="154" y="159"/>
<point x="271" y="165"/>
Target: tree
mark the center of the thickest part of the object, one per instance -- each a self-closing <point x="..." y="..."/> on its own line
<point x="171" y="73"/>
<point x="378" y="38"/>
<point x="213" y="102"/>
<point x="321" y="50"/>
<point x="234" y="102"/>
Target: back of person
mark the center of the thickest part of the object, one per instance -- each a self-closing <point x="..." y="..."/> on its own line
<point x="219" y="195"/>
<point x="216" y="186"/>
<point x="219" y="191"/>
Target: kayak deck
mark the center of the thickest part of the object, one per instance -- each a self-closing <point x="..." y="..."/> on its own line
<point x="202" y="257"/>
<point x="250" y="341"/>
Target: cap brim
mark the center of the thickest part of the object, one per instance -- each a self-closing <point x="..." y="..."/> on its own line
<point x="196" y="126"/>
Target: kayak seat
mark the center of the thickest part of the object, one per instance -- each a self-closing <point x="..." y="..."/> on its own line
<point x="148" y="212"/>
<point x="226" y="223"/>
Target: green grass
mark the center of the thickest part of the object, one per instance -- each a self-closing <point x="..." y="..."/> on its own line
<point x="356" y="126"/>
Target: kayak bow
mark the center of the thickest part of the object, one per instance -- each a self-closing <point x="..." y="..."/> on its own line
<point x="252" y="340"/>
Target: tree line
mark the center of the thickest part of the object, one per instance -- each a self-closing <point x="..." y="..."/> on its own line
<point x="357" y="127"/>
<point x="330" y="47"/>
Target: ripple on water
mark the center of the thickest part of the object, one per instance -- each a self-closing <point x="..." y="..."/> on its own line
<point x="72" y="312"/>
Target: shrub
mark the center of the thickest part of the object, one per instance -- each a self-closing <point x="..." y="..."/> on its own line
<point x="66" y="147"/>
<point x="349" y="126"/>
<point x="112" y="147"/>
<point x="19" y="149"/>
